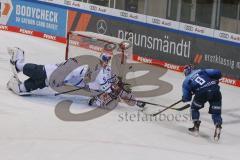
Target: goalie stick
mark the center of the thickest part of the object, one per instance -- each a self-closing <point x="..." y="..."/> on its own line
<point x="159" y="105"/>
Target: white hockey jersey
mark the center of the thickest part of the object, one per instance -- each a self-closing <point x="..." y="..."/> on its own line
<point x="103" y="81"/>
<point x="74" y="78"/>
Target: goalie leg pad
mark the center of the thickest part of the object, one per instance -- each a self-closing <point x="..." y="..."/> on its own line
<point x="104" y="100"/>
<point x="128" y="98"/>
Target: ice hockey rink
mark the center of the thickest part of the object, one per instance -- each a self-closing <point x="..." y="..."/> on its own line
<point x="30" y="130"/>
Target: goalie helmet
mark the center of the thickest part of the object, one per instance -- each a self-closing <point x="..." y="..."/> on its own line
<point x="125" y="45"/>
<point x="187" y="69"/>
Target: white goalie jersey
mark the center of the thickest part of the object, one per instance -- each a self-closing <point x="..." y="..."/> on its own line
<point x="103" y="80"/>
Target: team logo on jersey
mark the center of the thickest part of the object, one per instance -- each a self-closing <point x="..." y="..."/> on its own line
<point x="5" y="10"/>
<point x="101" y="26"/>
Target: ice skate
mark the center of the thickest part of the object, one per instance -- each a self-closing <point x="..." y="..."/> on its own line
<point x="13" y="85"/>
<point x="217" y="132"/>
<point x="16" y="55"/>
<point x="195" y="129"/>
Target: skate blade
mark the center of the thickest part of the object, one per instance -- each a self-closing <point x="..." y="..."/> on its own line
<point x="21" y="93"/>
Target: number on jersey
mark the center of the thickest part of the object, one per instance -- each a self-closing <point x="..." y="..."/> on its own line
<point x="199" y="80"/>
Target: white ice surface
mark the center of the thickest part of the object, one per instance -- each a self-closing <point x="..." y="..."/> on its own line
<point x="29" y="129"/>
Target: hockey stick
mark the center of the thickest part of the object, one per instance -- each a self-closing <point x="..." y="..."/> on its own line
<point x="159" y="105"/>
<point x="57" y="94"/>
<point x="169" y="107"/>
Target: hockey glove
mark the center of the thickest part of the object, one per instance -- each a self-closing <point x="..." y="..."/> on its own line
<point x="184" y="99"/>
<point x="140" y="104"/>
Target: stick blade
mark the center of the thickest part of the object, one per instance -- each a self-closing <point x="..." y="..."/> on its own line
<point x="177" y="109"/>
<point x="183" y="108"/>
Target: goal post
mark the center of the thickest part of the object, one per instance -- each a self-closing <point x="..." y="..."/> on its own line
<point x="90" y="43"/>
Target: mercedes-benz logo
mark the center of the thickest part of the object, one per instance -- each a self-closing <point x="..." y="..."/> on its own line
<point x="101" y="26"/>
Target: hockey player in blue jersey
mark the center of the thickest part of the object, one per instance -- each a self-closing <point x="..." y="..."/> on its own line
<point x="203" y="84"/>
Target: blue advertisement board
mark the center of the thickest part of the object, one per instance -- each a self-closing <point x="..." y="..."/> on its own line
<point x="38" y="17"/>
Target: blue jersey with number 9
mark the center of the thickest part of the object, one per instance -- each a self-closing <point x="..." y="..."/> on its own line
<point x="200" y="80"/>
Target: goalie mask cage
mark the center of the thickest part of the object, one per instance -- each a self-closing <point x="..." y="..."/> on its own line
<point x="89" y="43"/>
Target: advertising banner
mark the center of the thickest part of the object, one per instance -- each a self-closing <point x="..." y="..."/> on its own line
<point x="156" y="45"/>
<point x="33" y="16"/>
<point x="156" y="41"/>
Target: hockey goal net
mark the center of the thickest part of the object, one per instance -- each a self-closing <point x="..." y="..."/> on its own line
<point x="89" y="43"/>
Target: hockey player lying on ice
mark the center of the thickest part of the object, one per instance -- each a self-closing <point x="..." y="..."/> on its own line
<point x="110" y="87"/>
